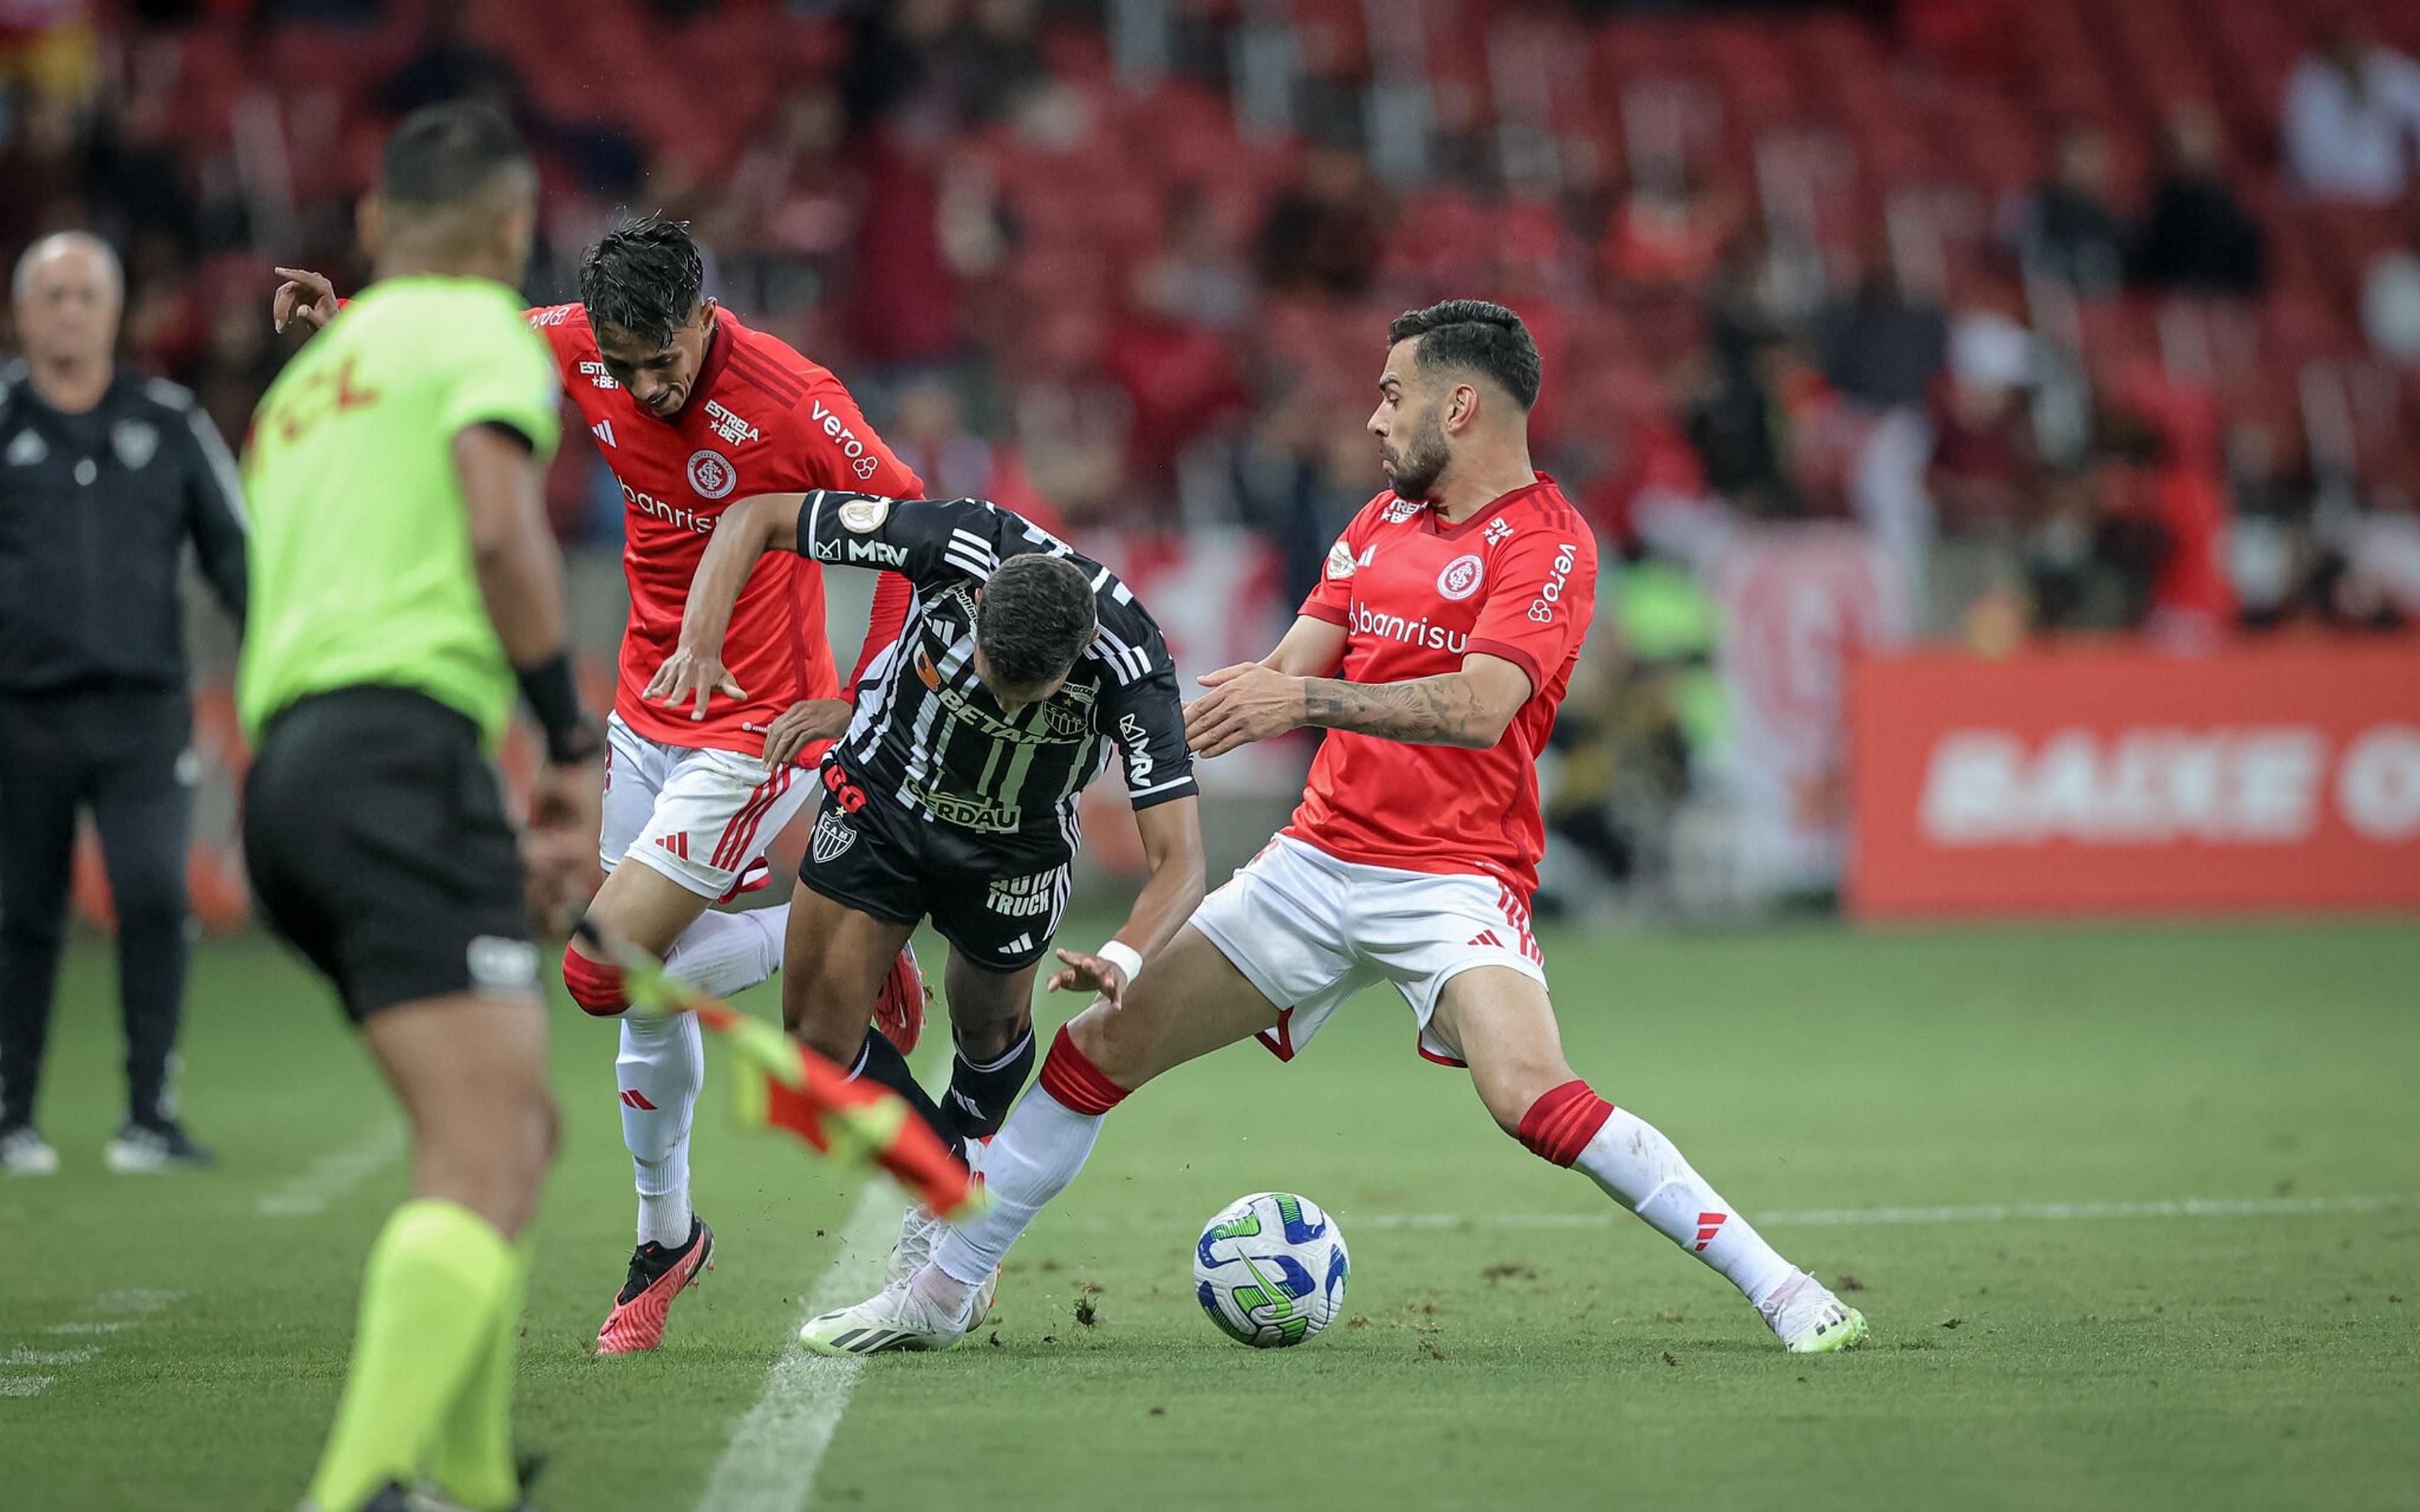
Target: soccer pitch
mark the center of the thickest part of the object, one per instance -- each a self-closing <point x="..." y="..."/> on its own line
<point x="2135" y="1214"/>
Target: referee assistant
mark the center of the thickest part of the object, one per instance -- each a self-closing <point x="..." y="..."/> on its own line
<point x="404" y="580"/>
<point x="104" y="479"/>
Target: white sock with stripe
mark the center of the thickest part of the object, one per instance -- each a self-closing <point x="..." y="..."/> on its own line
<point x="1643" y="1170"/>
<point x="662" y="1064"/>
<point x="661" y="1069"/>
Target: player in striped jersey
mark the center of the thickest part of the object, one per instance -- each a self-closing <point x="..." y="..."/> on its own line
<point x="953" y="794"/>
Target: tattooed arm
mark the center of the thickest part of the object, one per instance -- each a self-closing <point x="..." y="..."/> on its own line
<point x="1468" y="708"/>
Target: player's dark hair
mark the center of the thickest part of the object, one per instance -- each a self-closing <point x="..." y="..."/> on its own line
<point x="645" y="276"/>
<point x="1476" y="335"/>
<point x="446" y="155"/>
<point x="1035" y="619"/>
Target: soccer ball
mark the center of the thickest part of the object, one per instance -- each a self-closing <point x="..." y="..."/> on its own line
<point x="1270" y="1270"/>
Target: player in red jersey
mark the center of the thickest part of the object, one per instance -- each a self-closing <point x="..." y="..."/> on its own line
<point x="1435" y="649"/>
<point x="693" y="410"/>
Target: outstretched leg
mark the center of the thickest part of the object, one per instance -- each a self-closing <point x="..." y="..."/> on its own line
<point x="1188" y="1001"/>
<point x="1503" y="1026"/>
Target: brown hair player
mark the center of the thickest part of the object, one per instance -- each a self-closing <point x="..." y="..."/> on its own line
<point x="1435" y="648"/>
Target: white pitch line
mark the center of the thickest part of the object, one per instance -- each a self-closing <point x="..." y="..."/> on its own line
<point x="308" y="1192"/>
<point x="24" y="1386"/>
<point x="84" y="1328"/>
<point x="770" y="1463"/>
<point x="26" y="1357"/>
<point x="1984" y="1212"/>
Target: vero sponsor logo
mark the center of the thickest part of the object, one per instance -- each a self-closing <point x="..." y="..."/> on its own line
<point x="2249" y="785"/>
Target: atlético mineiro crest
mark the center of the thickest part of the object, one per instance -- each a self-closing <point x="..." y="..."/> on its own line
<point x="711" y="473"/>
<point x="1460" y="577"/>
<point x="833" y="835"/>
<point x="136" y="442"/>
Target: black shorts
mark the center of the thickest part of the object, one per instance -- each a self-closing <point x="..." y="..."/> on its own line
<point x="891" y="864"/>
<point x="375" y="832"/>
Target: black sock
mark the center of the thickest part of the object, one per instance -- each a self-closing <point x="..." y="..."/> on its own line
<point x="879" y="1062"/>
<point x="980" y="1096"/>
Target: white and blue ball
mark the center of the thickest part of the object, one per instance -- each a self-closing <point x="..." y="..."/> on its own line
<point x="1270" y="1270"/>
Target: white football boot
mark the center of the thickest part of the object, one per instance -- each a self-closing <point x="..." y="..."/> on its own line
<point x="901" y="1315"/>
<point x="1808" y="1320"/>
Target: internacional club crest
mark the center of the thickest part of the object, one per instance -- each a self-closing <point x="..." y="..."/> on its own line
<point x="1460" y="577"/>
<point x="711" y="474"/>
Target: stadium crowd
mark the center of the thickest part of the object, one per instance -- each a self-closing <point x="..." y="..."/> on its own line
<point x="2101" y="319"/>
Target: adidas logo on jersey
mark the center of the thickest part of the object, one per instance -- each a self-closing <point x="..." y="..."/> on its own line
<point x="1342" y="563"/>
<point x="603" y="430"/>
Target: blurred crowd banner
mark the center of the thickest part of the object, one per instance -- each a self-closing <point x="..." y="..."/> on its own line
<point x="1800" y="604"/>
<point x="2122" y="781"/>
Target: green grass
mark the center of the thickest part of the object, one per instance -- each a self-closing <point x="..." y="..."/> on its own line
<point x="2118" y="1362"/>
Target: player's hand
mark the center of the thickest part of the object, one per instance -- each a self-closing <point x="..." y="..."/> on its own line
<point x="305" y="299"/>
<point x="559" y="844"/>
<point x="794" y="728"/>
<point x="1246" y="703"/>
<point x="691" y="676"/>
<point x="1082" y="973"/>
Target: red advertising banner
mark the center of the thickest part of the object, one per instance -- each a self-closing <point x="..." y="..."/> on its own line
<point x="2123" y="780"/>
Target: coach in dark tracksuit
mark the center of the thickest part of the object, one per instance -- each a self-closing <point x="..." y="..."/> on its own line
<point x="104" y="477"/>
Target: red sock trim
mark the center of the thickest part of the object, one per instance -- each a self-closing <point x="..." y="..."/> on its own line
<point x="1562" y="1122"/>
<point x="596" y="986"/>
<point x="1076" y="1082"/>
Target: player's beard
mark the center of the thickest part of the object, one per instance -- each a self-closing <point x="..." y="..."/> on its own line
<point x="1415" y="467"/>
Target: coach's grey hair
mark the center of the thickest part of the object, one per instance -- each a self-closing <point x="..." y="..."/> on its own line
<point x="58" y="241"/>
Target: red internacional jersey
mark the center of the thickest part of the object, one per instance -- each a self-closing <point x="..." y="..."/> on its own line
<point x="760" y="418"/>
<point x="1515" y="580"/>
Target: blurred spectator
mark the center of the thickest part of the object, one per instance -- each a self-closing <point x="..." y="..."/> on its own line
<point x="929" y="433"/>
<point x="2352" y="118"/>
<point x="1325" y="233"/>
<point x="1300" y="476"/>
<point x="796" y="191"/>
<point x="1984" y="474"/>
<point x="450" y="64"/>
<point x="1202" y="272"/>
<point x="1983" y="463"/>
<point x="2066" y="229"/>
<point x="1670" y="229"/>
<point x="2198" y="239"/>
<point x="2390" y="301"/>
<point x="1879" y="350"/>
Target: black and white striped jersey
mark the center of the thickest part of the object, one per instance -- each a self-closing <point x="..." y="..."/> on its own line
<point x="929" y="738"/>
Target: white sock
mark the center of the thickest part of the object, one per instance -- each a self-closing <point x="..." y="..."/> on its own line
<point x="1032" y="1158"/>
<point x="1640" y="1169"/>
<point x="661" y="1069"/>
<point x="721" y="954"/>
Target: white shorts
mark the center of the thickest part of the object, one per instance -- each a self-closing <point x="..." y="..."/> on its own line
<point x="699" y="817"/>
<point x="1310" y="931"/>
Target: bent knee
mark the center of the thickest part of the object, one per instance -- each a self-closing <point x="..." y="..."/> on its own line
<point x="1109" y="1041"/>
<point x="595" y="985"/>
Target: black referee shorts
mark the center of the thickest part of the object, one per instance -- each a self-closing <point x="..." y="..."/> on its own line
<point x="375" y="832"/>
<point x="996" y="908"/>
